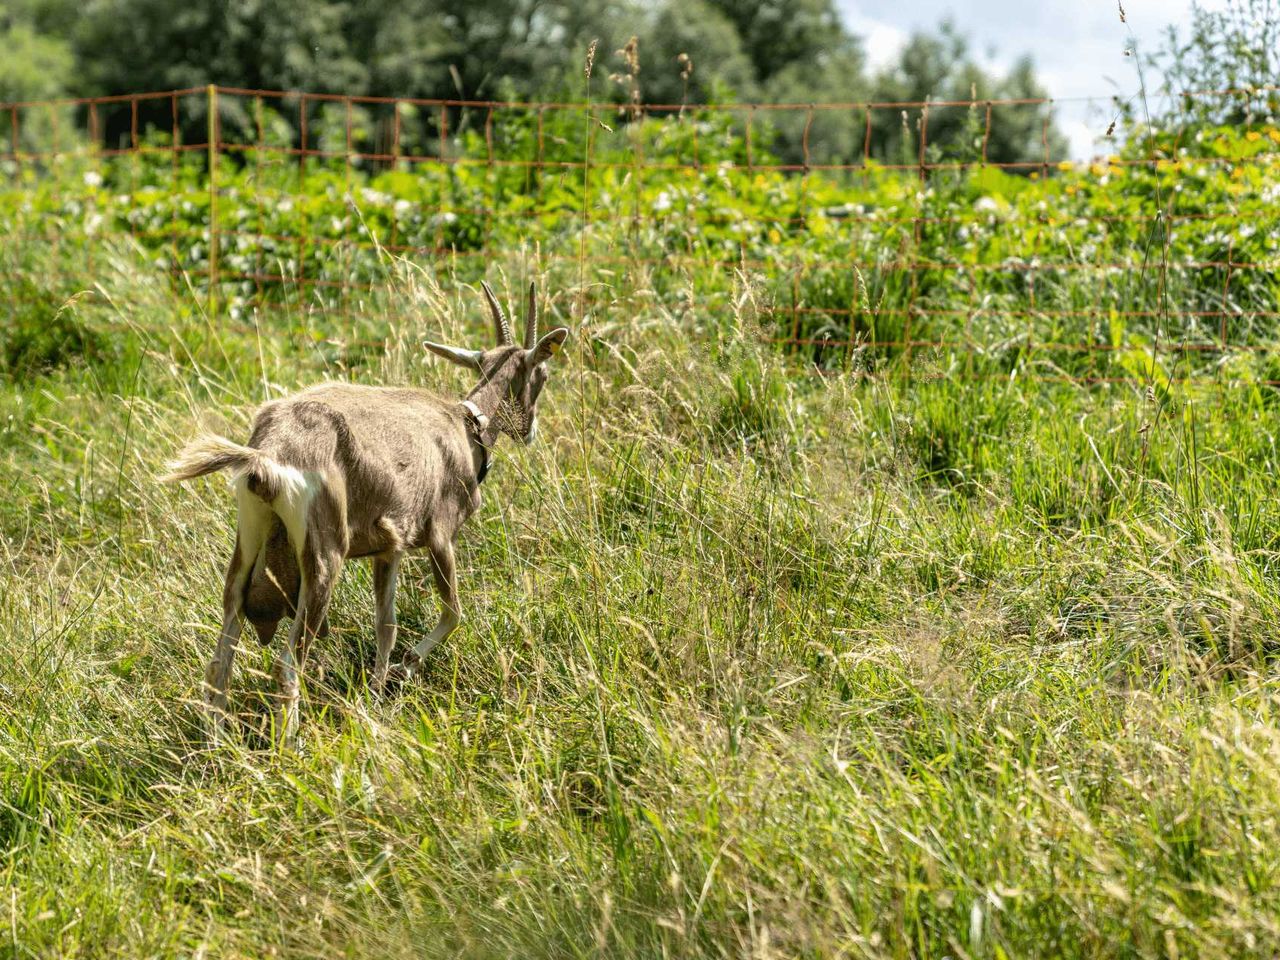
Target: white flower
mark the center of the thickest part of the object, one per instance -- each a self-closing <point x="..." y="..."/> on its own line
<point x="986" y="205"/>
<point x="403" y="207"/>
<point x="662" y="201"/>
<point x="93" y="178"/>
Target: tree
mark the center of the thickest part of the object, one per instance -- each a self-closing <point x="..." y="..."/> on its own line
<point x="756" y="50"/>
<point x="472" y="49"/>
<point x="35" y="64"/>
<point x="33" y="67"/>
<point x="128" y="45"/>
<point x="781" y="34"/>
<point x="720" y="65"/>
<point x="1236" y="48"/>
<point x="938" y="67"/>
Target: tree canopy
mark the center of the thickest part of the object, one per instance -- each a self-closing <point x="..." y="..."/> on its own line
<point x="689" y="51"/>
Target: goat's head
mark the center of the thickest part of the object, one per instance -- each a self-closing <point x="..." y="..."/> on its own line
<point x="512" y="376"/>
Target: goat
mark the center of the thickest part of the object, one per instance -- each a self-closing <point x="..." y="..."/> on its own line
<point x="341" y="471"/>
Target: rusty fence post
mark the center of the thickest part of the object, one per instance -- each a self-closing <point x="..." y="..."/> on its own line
<point x="213" y="201"/>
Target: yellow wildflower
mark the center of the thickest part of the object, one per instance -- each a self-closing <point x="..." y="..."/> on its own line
<point x="1253" y="136"/>
<point x="1274" y="134"/>
<point x="1066" y="166"/>
<point x="775" y="236"/>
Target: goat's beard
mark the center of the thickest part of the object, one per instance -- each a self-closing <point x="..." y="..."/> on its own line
<point x="513" y="419"/>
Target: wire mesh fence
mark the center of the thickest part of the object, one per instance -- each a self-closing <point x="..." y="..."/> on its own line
<point x="881" y="235"/>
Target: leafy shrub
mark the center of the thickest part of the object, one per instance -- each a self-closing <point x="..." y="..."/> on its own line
<point x="1006" y="268"/>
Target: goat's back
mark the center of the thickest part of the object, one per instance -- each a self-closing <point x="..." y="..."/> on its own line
<point x="394" y="455"/>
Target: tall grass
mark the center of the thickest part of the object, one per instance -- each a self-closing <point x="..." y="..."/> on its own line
<point x="937" y="654"/>
<point x="765" y="665"/>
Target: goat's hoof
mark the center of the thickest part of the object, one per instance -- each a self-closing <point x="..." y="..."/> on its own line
<point x="398" y="674"/>
<point x="284" y="734"/>
<point x="215" y="732"/>
<point x="217" y="723"/>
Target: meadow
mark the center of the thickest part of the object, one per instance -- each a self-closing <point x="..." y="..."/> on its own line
<point x="919" y="636"/>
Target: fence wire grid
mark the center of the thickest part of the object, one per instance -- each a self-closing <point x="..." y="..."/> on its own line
<point x="1156" y="263"/>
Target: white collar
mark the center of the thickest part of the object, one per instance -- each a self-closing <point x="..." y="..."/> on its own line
<point x="472" y="409"/>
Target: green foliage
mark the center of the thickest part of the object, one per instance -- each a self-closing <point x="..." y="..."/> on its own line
<point x="963" y="657"/>
<point x="940" y="67"/>
<point x="1231" y="47"/>
<point x="782" y="35"/>
<point x="764" y="50"/>
<point x="854" y="266"/>
<point x="746" y="649"/>
<point x="34" y="66"/>
<point x="754" y="409"/>
<point x="720" y="67"/>
<point x="43" y="332"/>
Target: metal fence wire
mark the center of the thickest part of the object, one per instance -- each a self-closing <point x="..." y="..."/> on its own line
<point x="877" y="244"/>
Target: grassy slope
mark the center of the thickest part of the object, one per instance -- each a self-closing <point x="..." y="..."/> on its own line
<point x="754" y="663"/>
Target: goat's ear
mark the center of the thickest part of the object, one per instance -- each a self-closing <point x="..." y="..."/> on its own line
<point x="549" y="345"/>
<point x="463" y="358"/>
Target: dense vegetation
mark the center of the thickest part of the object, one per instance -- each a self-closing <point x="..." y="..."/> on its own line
<point x="1158" y="255"/>
<point x="963" y="657"/>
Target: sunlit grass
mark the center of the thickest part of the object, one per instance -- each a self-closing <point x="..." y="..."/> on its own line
<point x="754" y="661"/>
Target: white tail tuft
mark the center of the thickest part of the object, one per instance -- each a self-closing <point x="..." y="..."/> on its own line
<point x="211" y="453"/>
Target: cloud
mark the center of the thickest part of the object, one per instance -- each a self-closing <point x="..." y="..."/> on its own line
<point x="881" y="40"/>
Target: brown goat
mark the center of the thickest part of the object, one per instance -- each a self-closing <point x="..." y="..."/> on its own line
<point x="341" y="471"/>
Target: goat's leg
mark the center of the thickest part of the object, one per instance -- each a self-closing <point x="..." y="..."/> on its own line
<point x="319" y="573"/>
<point x="217" y="676"/>
<point x="385" y="571"/>
<point x="272" y="591"/>
<point x="443" y="569"/>
<point x="250" y="535"/>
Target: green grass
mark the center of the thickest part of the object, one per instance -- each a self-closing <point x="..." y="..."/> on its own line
<point x="755" y="662"/>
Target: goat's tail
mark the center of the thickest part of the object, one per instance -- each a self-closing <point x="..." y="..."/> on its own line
<point x="211" y="453"/>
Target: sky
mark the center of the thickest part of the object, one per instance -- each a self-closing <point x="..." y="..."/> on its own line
<point x="1078" y="45"/>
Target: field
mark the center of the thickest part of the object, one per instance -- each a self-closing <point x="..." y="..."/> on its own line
<point x="941" y="641"/>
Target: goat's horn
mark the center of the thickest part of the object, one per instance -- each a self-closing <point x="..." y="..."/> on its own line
<point x="500" y="325"/>
<point x="531" y="319"/>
